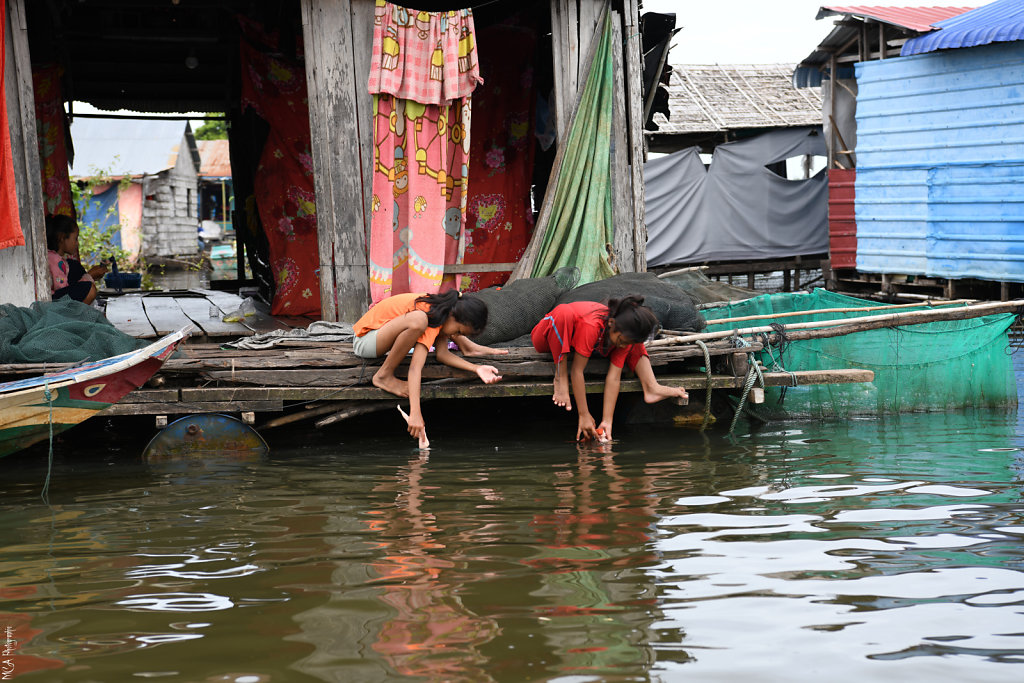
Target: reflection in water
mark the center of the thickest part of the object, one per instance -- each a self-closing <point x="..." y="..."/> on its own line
<point x="861" y="550"/>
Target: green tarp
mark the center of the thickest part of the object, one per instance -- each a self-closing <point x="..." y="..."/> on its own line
<point x="580" y="224"/>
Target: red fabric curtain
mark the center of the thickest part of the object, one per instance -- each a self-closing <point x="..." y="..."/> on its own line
<point x="53" y="153"/>
<point x="499" y="216"/>
<point x="276" y="90"/>
<point x="10" y="221"/>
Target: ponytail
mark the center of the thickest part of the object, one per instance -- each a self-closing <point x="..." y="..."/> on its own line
<point x="632" y="319"/>
<point x="468" y="310"/>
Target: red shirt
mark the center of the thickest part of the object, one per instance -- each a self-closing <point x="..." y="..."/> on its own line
<point x="579" y="327"/>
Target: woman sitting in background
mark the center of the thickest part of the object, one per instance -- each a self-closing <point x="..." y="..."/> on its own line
<point x="67" y="276"/>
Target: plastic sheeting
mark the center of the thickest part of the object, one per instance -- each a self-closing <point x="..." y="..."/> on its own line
<point x="580" y="226"/>
<point x="738" y="209"/>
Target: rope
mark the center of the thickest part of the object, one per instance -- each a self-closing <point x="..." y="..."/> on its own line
<point x="707" y="395"/>
<point x="49" y="460"/>
<point x="753" y="375"/>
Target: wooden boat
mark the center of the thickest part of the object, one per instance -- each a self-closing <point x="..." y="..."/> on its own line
<point x="28" y="407"/>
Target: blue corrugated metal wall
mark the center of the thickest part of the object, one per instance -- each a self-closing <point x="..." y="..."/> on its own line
<point x="940" y="172"/>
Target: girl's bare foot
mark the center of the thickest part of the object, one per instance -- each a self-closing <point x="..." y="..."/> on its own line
<point x="391" y="384"/>
<point x="660" y="392"/>
<point x="561" y="395"/>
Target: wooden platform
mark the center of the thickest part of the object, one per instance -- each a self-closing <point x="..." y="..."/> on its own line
<point x="146" y="315"/>
<point x="319" y="379"/>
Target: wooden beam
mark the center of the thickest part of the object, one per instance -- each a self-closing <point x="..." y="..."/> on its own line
<point x="620" y="174"/>
<point x="635" y="110"/>
<point x="455" y="268"/>
<point x="24" y="272"/>
<point x="339" y="135"/>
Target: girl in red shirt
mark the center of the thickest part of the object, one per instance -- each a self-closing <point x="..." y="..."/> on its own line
<point x="617" y="331"/>
<point x="402" y="322"/>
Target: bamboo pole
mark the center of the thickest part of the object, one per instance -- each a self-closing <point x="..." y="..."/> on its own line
<point x="374" y="407"/>
<point x="791" y="314"/>
<point x="331" y="407"/>
<point x="891" y="319"/>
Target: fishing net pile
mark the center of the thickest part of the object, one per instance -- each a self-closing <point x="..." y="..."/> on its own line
<point x="514" y="309"/>
<point x="61" y="331"/>
<point x="673" y="306"/>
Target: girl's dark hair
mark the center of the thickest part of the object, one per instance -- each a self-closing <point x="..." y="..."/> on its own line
<point x="632" y="319"/>
<point x="468" y="310"/>
<point x="57" y="227"/>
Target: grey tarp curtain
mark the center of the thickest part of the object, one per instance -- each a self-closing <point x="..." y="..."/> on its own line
<point x="737" y="209"/>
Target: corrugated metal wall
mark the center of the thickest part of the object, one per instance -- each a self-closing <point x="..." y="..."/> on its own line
<point x="842" y="224"/>
<point x="940" y="173"/>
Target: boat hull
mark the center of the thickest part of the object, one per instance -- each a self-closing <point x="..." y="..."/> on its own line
<point x="31" y="410"/>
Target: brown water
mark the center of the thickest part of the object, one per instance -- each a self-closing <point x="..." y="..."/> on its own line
<point x="876" y="550"/>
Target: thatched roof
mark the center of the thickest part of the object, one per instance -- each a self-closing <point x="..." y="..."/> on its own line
<point x="709" y="99"/>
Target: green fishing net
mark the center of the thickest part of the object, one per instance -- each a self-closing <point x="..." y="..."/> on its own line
<point x="61" y="331"/>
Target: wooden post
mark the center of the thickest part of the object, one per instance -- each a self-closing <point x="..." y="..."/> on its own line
<point x="833" y="69"/>
<point x="635" y="110"/>
<point x="337" y="35"/>
<point x="621" y="177"/>
<point x="24" y="273"/>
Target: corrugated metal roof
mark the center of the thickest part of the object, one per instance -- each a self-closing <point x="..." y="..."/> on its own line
<point x="214" y="159"/>
<point x="914" y="18"/>
<point x="714" y="98"/>
<point x="807" y="73"/>
<point x="1001" y="21"/>
<point x="126" y="147"/>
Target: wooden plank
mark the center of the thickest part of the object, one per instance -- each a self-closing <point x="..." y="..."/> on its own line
<point x="341" y="194"/>
<point x="621" y="178"/>
<point x="189" y="408"/>
<point x="151" y="396"/>
<point x="198" y="310"/>
<point x="588" y="12"/>
<point x="127" y="314"/>
<point x="24" y="271"/>
<point x="558" y="61"/>
<point x="635" y="110"/>
<point x="501" y="389"/>
<point x="454" y="268"/>
<point x="165" y="314"/>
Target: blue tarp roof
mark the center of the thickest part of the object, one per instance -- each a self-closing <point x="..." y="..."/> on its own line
<point x="1000" y="21"/>
<point x="128" y="147"/>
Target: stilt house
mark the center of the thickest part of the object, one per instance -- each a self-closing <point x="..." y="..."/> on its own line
<point x="560" y="97"/>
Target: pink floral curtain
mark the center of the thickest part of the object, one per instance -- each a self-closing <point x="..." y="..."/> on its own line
<point x="423" y="71"/>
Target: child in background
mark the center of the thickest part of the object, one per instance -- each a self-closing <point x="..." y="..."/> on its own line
<point x="617" y="331"/>
<point x="402" y="322"/>
<point x="67" y="276"/>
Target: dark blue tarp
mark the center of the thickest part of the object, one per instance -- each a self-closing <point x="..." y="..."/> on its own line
<point x="102" y="212"/>
<point x="1000" y="21"/>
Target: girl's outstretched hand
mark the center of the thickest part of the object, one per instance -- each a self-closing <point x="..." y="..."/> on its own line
<point x="604" y="431"/>
<point x="586" y="428"/>
<point x="488" y="374"/>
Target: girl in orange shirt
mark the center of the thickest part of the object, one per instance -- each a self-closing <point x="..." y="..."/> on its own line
<point x="402" y="322"/>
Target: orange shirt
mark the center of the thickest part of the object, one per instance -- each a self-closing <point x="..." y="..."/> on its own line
<point x="389" y="309"/>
